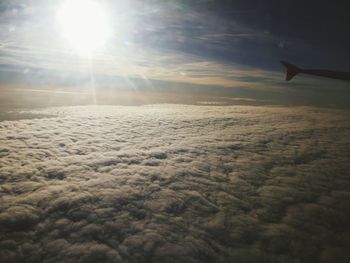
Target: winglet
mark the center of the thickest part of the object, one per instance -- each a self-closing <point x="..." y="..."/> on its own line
<point x="291" y="70"/>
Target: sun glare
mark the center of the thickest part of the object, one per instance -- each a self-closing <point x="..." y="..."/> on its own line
<point x="84" y="24"/>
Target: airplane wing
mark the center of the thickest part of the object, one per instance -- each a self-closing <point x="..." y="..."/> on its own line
<point x="293" y="70"/>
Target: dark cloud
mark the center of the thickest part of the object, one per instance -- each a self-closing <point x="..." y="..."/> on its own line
<point x="175" y="184"/>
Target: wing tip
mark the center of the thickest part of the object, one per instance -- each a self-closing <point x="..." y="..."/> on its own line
<point x="292" y="70"/>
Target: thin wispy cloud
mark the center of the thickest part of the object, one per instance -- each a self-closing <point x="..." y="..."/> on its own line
<point x="145" y="47"/>
<point x="150" y="64"/>
<point x="167" y="41"/>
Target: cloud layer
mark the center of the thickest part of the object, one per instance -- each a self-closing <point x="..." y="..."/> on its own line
<point x="175" y="184"/>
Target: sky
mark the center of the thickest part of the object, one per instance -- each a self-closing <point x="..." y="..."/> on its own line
<point x="217" y="44"/>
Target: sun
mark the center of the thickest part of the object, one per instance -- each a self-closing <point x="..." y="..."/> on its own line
<point x="84" y="24"/>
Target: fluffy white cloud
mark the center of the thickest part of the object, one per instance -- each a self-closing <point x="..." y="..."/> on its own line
<point x="175" y="184"/>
